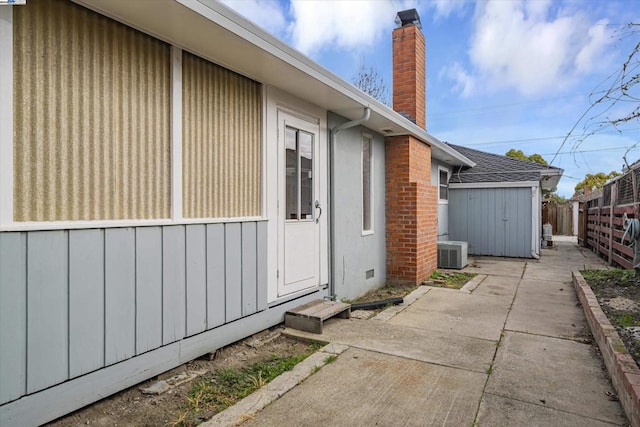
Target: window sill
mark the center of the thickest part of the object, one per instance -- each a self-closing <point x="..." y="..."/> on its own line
<point x="368" y="233"/>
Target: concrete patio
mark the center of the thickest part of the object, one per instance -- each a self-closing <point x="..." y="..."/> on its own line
<point x="515" y="351"/>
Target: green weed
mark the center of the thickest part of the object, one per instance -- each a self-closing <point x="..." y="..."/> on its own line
<point x="614" y="275"/>
<point x="222" y="388"/>
<point x="330" y="359"/>
<point x="626" y="320"/>
<point x="450" y="279"/>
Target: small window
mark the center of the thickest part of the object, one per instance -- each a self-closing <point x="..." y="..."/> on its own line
<point x="367" y="184"/>
<point x="443" y="184"/>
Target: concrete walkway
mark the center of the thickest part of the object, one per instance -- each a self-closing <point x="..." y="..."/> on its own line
<point x="515" y="351"/>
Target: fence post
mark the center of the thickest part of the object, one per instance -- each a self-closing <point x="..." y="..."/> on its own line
<point x="634" y="182"/>
<point x="599" y="229"/>
<point x="583" y="213"/>
<point x="614" y="201"/>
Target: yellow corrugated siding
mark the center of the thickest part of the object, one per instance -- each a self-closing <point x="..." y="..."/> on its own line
<point x="222" y="127"/>
<point x="92" y="117"/>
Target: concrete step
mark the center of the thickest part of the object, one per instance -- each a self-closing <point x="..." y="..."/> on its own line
<point x="310" y="316"/>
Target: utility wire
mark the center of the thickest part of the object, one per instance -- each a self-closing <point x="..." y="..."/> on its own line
<point x="509" y="141"/>
<point x="499" y="106"/>
<point x="592" y="151"/>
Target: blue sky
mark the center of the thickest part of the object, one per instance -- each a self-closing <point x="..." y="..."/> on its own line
<point x="501" y="74"/>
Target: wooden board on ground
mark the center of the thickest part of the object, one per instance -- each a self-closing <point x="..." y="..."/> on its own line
<point x="310" y="317"/>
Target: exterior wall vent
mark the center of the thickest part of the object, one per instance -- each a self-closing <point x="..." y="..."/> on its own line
<point x="452" y="254"/>
<point x="369" y="274"/>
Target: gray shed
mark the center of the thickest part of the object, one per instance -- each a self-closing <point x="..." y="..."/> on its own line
<point x="496" y="205"/>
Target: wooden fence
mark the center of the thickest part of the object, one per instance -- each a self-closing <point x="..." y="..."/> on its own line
<point x="601" y="220"/>
<point x="604" y="231"/>
<point x="560" y="216"/>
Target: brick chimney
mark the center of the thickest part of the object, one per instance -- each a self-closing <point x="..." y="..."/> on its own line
<point x="409" y="67"/>
<point x="411" y="204"/>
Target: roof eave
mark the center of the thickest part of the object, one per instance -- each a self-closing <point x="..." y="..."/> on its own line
<point x="549" y="178"/>
<point x="245" y="48"/>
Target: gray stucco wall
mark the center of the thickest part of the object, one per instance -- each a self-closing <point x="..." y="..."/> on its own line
<point x="355" y="253"/>
<point x="443" y="207"/>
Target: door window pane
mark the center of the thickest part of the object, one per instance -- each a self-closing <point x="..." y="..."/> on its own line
<point x="305" y="144"/>
<point x="291" y="153"/>
<point x="299" y="174"/>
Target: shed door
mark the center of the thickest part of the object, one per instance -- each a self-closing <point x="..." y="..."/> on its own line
<point x="299" y="206"/>
<point x="494" y="221"/>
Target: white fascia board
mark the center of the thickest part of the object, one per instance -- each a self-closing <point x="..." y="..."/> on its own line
<point x="449" y="155"/>
<point x="513" y="184"/>
<point x="551" y="172"/>
<point x="549" y="178"/>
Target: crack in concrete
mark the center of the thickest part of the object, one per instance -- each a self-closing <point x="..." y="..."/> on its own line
<point x="495" y="353"/>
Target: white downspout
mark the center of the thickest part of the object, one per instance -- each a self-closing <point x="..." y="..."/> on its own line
<point x="365" y="116"/>
<point x="535" y="223"/>
<point x="333" y="133"/>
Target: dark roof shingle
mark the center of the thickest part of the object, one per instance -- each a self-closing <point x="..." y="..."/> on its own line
<point x="496" y="168"/>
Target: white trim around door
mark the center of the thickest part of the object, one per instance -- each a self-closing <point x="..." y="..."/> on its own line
<point x="299" y="204"/>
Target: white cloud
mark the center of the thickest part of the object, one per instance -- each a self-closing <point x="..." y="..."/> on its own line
<point x="346" y="24"/>
<point x="532" y="47"/>
<point x="444" y="8"/>
<point x="265" y="13"/>
<point x="463" y="82"/>
<point x="591" y="53"/>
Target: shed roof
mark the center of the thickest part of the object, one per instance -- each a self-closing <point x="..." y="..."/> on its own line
<point x="496" y="168"/>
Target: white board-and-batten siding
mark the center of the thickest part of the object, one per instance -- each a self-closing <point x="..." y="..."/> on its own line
<point x="75" y="301"/>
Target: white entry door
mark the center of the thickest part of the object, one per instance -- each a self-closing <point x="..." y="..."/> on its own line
<point x="299" y="208"/>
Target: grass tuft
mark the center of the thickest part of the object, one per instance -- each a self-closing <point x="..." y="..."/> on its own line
<point x="450" y="279"/>
<point x="626" y="320"/>
<point x="618" y="276"/>
<point x="222" y="388"/>
<point x="330" y="359"/>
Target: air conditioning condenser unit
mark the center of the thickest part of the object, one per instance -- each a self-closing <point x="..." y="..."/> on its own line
<point x="452" y="254"/>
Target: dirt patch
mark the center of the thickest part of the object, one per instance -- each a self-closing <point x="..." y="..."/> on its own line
<point x="132" y="407"/>
<point x="439" y="278"/>
<point x="386" y="292"/>
<point x="622" y="304"/>
<point x="618" y="292"/>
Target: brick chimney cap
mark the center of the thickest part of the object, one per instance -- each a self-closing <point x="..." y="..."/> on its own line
<point x="408" y="17"/>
